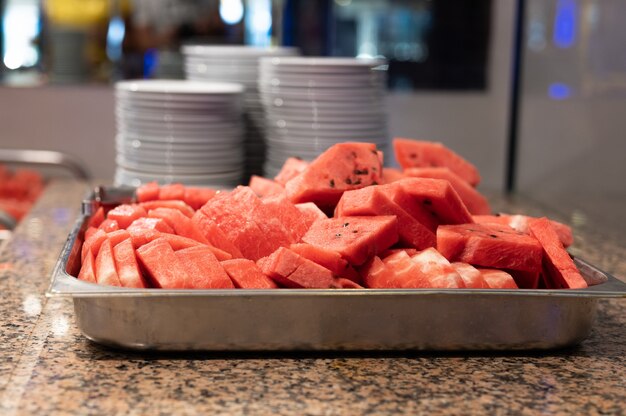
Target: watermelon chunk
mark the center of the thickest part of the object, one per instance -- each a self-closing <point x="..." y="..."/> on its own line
<point x="97" y="218"/>
<point x="559" y="268"/>
<point x="118" y="236"/>
<point x="245" y="274"/>
<point x="310" y="212"/>
<point x="88" y="268"/>
<point x="374" y="201"/>
<point x="181" y="224"/>
<point x="291" y="168"/>
<point x="91" y="231"/>
<point x="179" y="205"/>
<point x="127" y="267"/>
<point x="391" y="175"/>
<point x="436" y="197"/>
<point x="489" y="245"/>
<point x="473" y="200"/>
<point x="294" y="223"/>
<point x="377" y="275"/>
<point x="472" y="277"/>
<point x="125" y="214"/>
<point x="421" y="154"/>
<point x="247" y="223"/>
<point x="355" y="238"/>
<point x="328" y="259"/>
<point x="177" y="242"/>
<point x="172" y="192"/>
<point x="203" y="269"/>
<point x="292" y="270"/>
<point x="520" y="223"/>
<point x="438" y="269"/>
<point x="498" y="279"/>
<point x="109" y="225"/>
<point x="147" y="223"/>
<point x="343" y="167"/>
<point x="93" y="243"/>
<point x="196" y="197"/>
<point x="164" y="268"/>
<point x="214" y="235"/>
<point x="147" y="192"/>
<point x="106" y="271"/>
<point x="347" y="284"/>
<point x="265" y="187"/>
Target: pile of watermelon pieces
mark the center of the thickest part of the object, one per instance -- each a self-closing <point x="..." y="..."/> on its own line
<point x="19" y="189"/>
<point x="340" y="221"/>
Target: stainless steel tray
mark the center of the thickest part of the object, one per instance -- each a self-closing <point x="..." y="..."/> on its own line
<point x="330" y="319"/>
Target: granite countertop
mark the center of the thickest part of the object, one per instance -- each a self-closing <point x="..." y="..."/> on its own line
<point x="47" y="366"/>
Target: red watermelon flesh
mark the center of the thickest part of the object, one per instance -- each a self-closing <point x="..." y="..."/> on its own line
<point x="472" y="277"/>
<point x="498" y="279"/>
<point x="343" y="167"/>
<point x="179" y="205"/>
<point x="231" y="213"/>
<point x="162" y="265"/>
<point x="175" y="191"/>
<point x="409" y="251"/>
<point x="424" y="154"/>
<point x="391" y="175"/>
<point x="436" y="196"/>
<point x="125" y="214"/>
<point x="245" y="274"/>
<point x="489" y="245"/>
<point x="355" y="238"/>
<point x="559" y="268"/>
<point x="106" y="271"/>
<point x="412" y="206"/>
<point x="109" y="225"/>
<point x="214" y="235"/>
<point x="374" y="201"/>
<point x="294" y="223"/>
<point x="118" y="236"/>
<point x="147" y="192"/>
<point x="88" y="268"/>
<point x="291" y="168"/>
<point x="181" y="224"/>
<point x="147" y="223"/>
<point x="265" y="187"/>
<point x="127" y="267"/>
<point x="405" y="272"/>
<point x="97" y="218"/>
<point x="377" y="275"/>
<point x="328" y="259"/>
<point x="90" y="231"/>
<point x="143" y="237"/>
<point x="520" y="223"/>
<point x="196" y="197"/>
<point x="93" y="243"/>
<point x="439" y="270"/>
<point x="203" y="269"/>
<point x="310" y="212"/>
<point x="476" y="203"/>
<point x="294" y="271"/>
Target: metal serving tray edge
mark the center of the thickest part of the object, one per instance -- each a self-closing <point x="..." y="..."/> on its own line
<point x="325" y="319"/>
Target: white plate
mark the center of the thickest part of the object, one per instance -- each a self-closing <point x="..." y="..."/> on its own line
<point x="187" y="99"/>
<point x="163" y="144"/>
<point x="236" y="50"/>
<point x="182" y="87"/>
<point x="321" y="64"/>
<point x="132" y="178"/>
<point x="171" y="169"/>
<point x="177" y="118"/>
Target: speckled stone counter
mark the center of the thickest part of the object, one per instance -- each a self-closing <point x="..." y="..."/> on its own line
<point x="48" y="367"/>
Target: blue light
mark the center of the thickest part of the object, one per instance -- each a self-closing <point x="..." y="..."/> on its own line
<point x="559" y="91"/>
<point x="565" y="23"/>
<point x="115" y="38"/>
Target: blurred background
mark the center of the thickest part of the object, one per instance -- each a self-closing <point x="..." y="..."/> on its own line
<point x="450" y="76"/>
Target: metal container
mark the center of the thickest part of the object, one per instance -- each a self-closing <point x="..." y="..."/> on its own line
<point x="328" y="319"/>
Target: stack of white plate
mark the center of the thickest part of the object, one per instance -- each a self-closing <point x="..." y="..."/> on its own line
<point x="179" y="131"/>
<point x="237" y="64"/>
<point x="312" y="103"/>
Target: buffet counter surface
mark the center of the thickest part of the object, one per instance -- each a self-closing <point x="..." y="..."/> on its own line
<point x="47" y="366"/>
